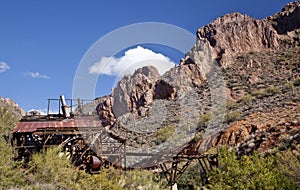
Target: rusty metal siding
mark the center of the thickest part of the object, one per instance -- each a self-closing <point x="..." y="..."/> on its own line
<point x="25" y="126"/>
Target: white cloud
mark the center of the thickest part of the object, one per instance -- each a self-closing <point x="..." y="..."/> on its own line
<point x="133" y="59"/>
<point x="3" y="67"/>
<point x="37" y="75"/>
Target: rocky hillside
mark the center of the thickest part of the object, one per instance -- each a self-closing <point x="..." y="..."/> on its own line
<point x="239" y="85"/>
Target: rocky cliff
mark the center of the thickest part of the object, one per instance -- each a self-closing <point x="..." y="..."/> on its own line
<point x="235" y="33"/>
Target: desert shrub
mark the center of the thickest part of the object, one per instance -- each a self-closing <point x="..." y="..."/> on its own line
<point x="11" y="174"/>
<point x="297" y="81"/>
<point x="247" y="98"/>
<point x="107" y="179"/>
<point x="289" y="164"/>
<point x="203" y="120"/>
<point x="259" y="93"/>
<point x="248" y="172"/>
<point x="268" y="91"/>
<point x="289" y="85"/>
<point x="252" y="52"/>
<point x="164" y="133"/>
<point x="233" y="116"/>
<point x="272" y="90"/>
<point x="191" y="178"/>
<point x="289" y="55"/>
<point x="289" y="66"/>
<point x="231" y="105"/>
<point x="142" y="179"/>
<point x="49" y="168"/>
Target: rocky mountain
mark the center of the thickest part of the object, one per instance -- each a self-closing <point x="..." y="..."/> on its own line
<point x="239" y="85"/>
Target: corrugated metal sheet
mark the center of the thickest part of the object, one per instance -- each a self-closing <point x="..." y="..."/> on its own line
<point x="26" y="126"/>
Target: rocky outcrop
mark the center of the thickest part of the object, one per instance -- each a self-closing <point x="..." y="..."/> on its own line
<point x="12" y="106"/>
<point x="135" y="92"/>
<point x="185" y="77"/>
<point x="288" y="19"/>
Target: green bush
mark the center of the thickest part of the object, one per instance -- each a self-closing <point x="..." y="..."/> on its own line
<point x="248" y="172"/>
<point x="268" y="91"/>
<point x="164" y="133"/>
<point x="272" y="90"/>
<point x="11" y="173"/>
<point x="247" y="98"/>
<point x="259" y="93"/>
<point x="191" y="178"/>
<point x="233" y="116"/>
<point x="50" y="168"/>
<point x="252" y="52"/>
<point x="107" y="179"/>
<point x="289" y="164"/>
<point x="142" y="179"/>
<point x="297" y="81"/>
<point x="204" y="119"/>
<point x="290" y="85"/>
<point x="231" y="105"/>
<point x="289" y="55"/>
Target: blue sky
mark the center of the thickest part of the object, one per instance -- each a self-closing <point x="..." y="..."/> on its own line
<point x="43" y="42"/>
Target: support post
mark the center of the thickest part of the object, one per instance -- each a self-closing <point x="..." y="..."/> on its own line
<point x="66" y="114"/>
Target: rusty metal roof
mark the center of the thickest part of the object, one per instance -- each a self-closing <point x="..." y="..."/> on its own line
<point x="32" y="126"/>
